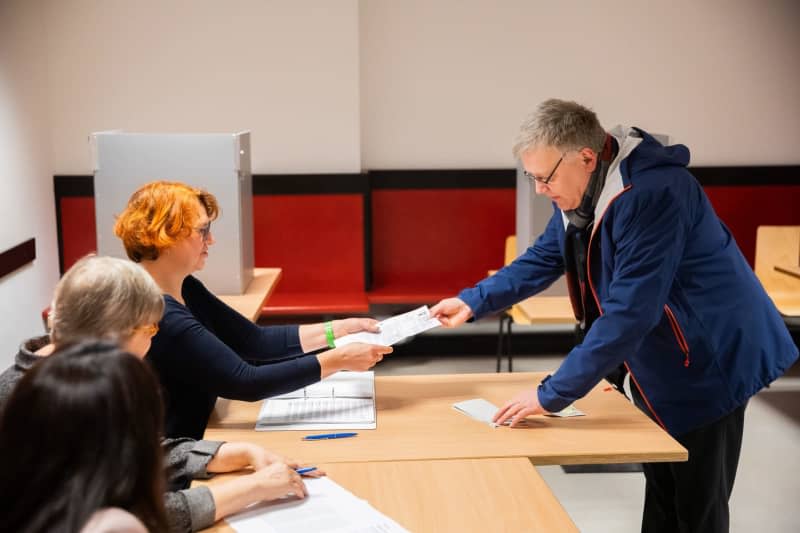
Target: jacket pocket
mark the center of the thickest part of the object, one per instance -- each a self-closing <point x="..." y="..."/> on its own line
<point x="679" y="336"/>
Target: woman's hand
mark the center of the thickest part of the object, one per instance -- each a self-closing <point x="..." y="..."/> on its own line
<point x="356" y="356"/>
<point x="279" y="480"/>
<point x="354" y="325"/>
<point x="238" y="455"/>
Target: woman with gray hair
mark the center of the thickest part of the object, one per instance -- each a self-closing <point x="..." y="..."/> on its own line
<point x="117" y="300"/>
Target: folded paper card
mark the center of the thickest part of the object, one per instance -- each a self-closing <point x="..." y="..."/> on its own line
<point x="484" y="411"/>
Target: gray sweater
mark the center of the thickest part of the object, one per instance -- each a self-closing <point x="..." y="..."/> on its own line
<point x="188" y="509"/>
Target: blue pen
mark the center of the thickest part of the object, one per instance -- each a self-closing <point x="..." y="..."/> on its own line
<point x="329" y="436"/>
<point x="305" y="470"/>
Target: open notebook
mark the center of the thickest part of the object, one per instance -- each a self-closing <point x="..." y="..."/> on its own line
<point x="344" y="400"/>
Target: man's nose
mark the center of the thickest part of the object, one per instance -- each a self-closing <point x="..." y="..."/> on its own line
<point x="539" y="187"/>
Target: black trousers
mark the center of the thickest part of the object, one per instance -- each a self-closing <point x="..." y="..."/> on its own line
<point x="693" y="496"/>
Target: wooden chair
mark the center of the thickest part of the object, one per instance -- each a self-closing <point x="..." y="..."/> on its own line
<point x="777" y="256"/>
<point x="554" y="310"/>
<point x="512" y="315"/>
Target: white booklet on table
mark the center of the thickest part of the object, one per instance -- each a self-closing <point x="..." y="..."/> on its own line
<point x="344" y="400"/>
<point x="394" y="329"/>
<point x="327" y="507"/>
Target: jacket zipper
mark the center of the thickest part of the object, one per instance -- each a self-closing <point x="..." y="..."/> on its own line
<point x="676" y="330"/>
<point x="600" y="309"/>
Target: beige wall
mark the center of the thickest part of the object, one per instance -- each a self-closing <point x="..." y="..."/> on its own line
<point x="341" y="85"/>
<point x="26" y="182"/>
<point x="285" y="70"/>
<point x="446" y="83"/>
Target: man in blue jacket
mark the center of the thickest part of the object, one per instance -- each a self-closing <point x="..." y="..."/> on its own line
<point x="663" y="296"/>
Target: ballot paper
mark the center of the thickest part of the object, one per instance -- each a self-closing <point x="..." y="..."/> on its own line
<point x="344" y="400"/>
<point x="484" y="411"/>
<point x="479" y="409"/>
<point x="327" y="507"/>
<point x="567" y="412"/>
<point x="394" y="329"/>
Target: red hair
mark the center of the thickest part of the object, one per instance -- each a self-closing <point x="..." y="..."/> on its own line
<point x="160" y="214"/>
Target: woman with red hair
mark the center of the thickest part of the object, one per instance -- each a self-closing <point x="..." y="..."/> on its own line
<point x="204" y="349"/>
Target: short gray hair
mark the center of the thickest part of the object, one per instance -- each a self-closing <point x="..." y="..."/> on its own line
<point x="562" y="124"/>
<point x="103" y="297"/>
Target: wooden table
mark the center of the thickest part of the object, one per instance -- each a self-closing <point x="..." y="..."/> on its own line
<point x="463" y="495"/>
<point x="416" y="421"/>
<point x="779" y="246"/>
<point x="258" y="291"/>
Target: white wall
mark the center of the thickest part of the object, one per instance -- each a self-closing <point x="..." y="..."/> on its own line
<point x="26" y="183"/>
<point x="285" y="70"/>
<point x="446" y="83"/>
<point x="340" y="85"/>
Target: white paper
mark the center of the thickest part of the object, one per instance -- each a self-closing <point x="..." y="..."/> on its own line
<point x="567" y="412"/>
<point x="479" y="409"/>
<point x="342" y="384"/>
<point x="327" y="507"/>
<point x="394" y="329"/>
<point x="345" y="400"/>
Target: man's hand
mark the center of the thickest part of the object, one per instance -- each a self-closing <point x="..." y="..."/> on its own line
<point x="524" y="404"/>
<point x="451" y="312"/>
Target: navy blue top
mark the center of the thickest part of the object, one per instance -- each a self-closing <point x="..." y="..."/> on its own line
<point x="205" y="349"/>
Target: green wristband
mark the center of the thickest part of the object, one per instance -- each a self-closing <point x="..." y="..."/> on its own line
<point x="329" y="334"/>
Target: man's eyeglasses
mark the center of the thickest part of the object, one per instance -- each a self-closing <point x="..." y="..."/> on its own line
<point x="545" y="181"/>
<point x="205" y="231"/>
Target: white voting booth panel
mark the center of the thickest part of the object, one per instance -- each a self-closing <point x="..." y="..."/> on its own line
<point x="218" y="163"/>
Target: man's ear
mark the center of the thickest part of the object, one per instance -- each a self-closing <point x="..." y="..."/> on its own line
<point x="589" y="158"/>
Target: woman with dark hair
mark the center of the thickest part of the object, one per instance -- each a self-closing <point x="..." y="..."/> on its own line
<point x="204" y="349"/>
<point x="79" y="445"/>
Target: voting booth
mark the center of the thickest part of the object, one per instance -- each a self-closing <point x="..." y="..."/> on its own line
<point x="218" y="163"/>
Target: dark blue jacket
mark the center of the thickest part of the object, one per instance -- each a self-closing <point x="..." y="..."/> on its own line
<point x="679" y="304"/>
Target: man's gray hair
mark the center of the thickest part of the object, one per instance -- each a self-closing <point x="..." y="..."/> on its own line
<point x="103" y="297"/>
<point x="562" y="124"/>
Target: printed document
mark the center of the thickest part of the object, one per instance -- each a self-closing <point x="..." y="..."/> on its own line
<point x="327" y="507"/>
<point x="344" y="400"/>
<point x="394" y="329"/>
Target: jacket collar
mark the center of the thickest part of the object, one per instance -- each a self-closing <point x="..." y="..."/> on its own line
<point x="628" y="139"/>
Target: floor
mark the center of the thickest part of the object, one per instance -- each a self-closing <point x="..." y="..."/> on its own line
<point x="768" y="479"/>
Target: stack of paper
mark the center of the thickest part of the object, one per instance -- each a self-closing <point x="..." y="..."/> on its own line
<point x="328" y="507"/>
<point x="394" y="329"/>
<point x="345" y="400"/>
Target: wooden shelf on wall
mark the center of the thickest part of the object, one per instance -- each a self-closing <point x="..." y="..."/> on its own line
<point x="17" y="257"/>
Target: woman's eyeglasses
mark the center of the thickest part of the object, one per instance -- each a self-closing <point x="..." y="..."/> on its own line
<point x="205" y="231"/>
